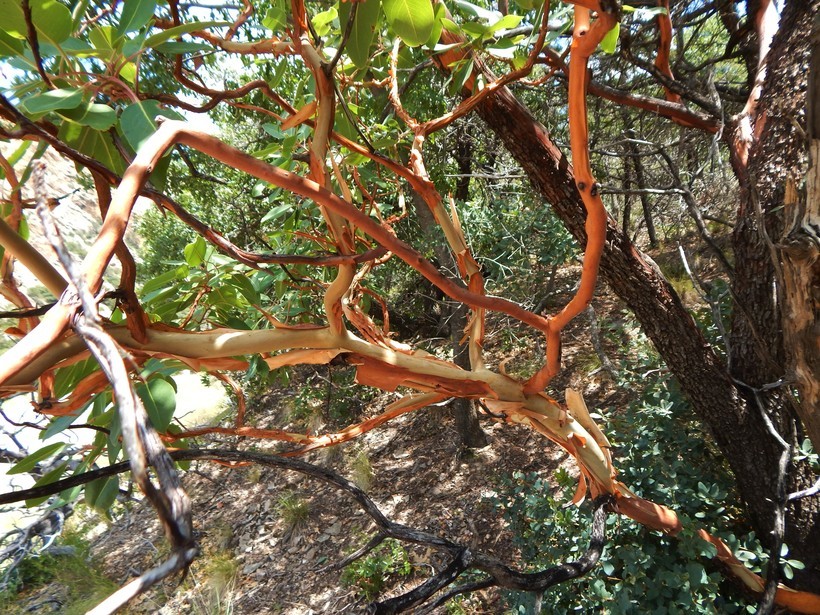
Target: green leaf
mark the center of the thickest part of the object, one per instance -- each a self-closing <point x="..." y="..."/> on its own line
<point x="53" y="100"/>
<point x="100" y="494"/>
<point x="275" y="212"/>
<point x="135" y="14"/>
<point x="27" y="464"/>
<point x="99" y="145"/>
<point x="137" y="121"/>
<point x="450" y="26"/>
<point x="178" y="47"/>
<point x="439" y="13"/>
<point x="610" y="40"/>
<point x="275" y="19"/>
<point x="66" y="379"/>
<point x="412" y="20"/>
<point x="170" y="33"/>
<point x="98" y="117"/>
<point x="18" y="154"/>
<point x="322" y="21"/>
<point x="506" y="23"/>
<point x="160" y="400"/>
<point x="527" y="5"/>
<point x="788" y="572"/>
<point x="9" y="46"/>
<point x="60" y="424"/>
<point x="105" y="41"/>
<point x="195" y="252"/>
<point x="245" y="287"/>
<point x="51" y="19"/>
<point x="460" y="76"/>
<point x="47" y="479"/>
<point x="475" y="30"/>
<point x="23" y="229"/>
<point x="477" y="11"/>
<point x="128" y="71"/>
<point x="364" y="28"/>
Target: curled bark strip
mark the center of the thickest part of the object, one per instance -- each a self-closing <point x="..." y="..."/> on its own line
<point x="748" y="125"/>
<point x="241" y="402"/>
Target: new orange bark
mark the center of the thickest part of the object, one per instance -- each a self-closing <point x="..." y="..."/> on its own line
<point x="585" y="39"/>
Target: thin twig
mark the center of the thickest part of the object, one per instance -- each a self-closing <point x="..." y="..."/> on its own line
<point x="35" y="44"/>
<point x="354" y="9"/>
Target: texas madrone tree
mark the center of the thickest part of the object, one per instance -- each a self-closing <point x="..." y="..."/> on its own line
<point x="344" y="103"/>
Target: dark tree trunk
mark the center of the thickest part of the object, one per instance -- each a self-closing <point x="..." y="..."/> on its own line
<point x="468" y="427"/>
<point x="732" y="414"/>
<point x="777" y="163"/>
<point x="465" y="413"/>
<point x="645" y="206"/>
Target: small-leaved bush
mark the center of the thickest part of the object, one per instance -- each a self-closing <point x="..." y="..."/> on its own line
<point x="370" y="574"/>
<point x="662" y="455"/>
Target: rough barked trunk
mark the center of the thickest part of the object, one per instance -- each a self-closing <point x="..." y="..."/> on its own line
<point x="772" y="336"/>
<point x="800" y="247"/>
<point x="732" y="416"/>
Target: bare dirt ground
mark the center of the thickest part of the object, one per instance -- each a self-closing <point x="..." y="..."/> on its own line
<point x="420" y="477"/>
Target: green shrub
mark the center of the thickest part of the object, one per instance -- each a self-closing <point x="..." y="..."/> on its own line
<point x="665" y="457"/>
<point x="371" y="573"/>
<point x="69" y="567"/>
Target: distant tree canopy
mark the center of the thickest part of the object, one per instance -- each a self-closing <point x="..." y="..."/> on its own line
<point x="352" y="148"/>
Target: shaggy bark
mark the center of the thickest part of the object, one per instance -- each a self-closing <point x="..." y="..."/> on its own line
<point x="770" y="329"/>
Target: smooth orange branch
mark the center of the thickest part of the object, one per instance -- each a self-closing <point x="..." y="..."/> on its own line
<point x="664" y="48"/>
<point x="402" y="406"/>
<point x="136" y="319"/>
<point x="35" y="262"/>
<point x="585" y="40"/>
<point x="247" y="11"/>
<point x="677" y="112"/>
<point x="8" y="285"/>
<point x="340" y="229"/>
<point x="244" y="431"/>
<point x="178" y="132"/>
<point x="272" y="45"/>
<point x="467" y="266"/>
<point x="665" y="520"/>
